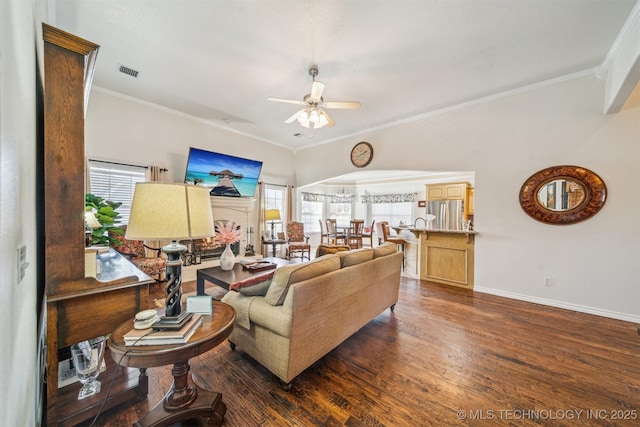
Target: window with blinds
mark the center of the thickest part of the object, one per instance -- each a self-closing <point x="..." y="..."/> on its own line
<point x="310" y="215"/>
<point x="392" y="212"/>
<point x="274" y="199"/>
<point x="116" y="182"/>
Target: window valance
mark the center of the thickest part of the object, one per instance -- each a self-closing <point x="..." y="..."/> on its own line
<point x="341" y="198"/>
<point x="313" y="197"/>
<point x="389" y="198"/>
<point x="331" y="198"/>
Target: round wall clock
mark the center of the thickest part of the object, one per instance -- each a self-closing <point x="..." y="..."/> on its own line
<point x="361" y="154"/>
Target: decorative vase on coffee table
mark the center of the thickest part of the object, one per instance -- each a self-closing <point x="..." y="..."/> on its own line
<point x="227" y="259"/>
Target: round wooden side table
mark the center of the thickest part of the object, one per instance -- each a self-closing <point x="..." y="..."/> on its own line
<point x="183" y="401"/>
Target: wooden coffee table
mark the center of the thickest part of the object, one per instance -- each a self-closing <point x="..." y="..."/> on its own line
<point x="183" y="401"/>
<point x="224" y="278"/>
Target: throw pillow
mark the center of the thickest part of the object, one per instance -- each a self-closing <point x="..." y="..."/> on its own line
<point x="324" y="249"/>
<point x="253" y="286"/>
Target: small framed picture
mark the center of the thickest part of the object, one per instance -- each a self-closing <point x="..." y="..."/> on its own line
<point x="280" y="235"/>
<point x="422" y="203"/>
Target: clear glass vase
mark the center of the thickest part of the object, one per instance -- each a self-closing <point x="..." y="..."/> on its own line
<point x="227" y="259"/>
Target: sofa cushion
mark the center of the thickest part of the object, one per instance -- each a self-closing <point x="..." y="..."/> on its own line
<point x="293" y="273"/>
<point x="324" y="249"/>
<point x="241" y="304"/>
<point x="256" y="285"/>
<point x="355" y="257"/>
<point x="387" y="248"/>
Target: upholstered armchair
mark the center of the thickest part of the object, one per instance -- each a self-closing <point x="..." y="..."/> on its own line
<point x="136" y="252"/>
<point x="297" y="243"/>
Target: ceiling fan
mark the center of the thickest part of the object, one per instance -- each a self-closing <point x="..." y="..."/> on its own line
<point x="313" y="115"/>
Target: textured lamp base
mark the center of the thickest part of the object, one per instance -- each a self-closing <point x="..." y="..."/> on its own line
<point x="174" y="278"/>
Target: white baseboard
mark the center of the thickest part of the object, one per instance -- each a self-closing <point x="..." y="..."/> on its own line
<point x="560" y="304"/>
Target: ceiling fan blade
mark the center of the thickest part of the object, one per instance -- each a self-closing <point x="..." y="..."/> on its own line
<point x="287" y="101"/>
<point x="342" y="104"/>
<point x="295" y="116"/>
<point x="316" y="91"/>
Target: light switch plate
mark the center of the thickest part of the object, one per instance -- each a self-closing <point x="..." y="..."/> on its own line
<point x="22" y="263"/>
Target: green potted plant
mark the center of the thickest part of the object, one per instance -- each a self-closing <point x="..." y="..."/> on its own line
<point x="105" y="212"/>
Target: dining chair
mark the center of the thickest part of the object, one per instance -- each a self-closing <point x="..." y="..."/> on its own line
<point x="354" y="235"/>
<point x="323" y="233"/>
<point x="368" y="234"/>
<point x="334" y="236"/>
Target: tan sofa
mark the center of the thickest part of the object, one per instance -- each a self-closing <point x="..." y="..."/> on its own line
<point x="307" y="309"/>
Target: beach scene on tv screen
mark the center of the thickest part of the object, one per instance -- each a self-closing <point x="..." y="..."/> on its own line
<point x="225" y="175"/>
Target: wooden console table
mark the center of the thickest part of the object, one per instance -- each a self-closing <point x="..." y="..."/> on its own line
<point x="182" y="402"/>
<point x="274" y="244"/>
<point x="122" y="291"/>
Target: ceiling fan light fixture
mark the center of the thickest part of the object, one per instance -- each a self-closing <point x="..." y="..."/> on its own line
<point x="313" y="115"/>
<point x="303" y="119"/>
<point x="314" y="118"/>
<point x="322" y="120"/>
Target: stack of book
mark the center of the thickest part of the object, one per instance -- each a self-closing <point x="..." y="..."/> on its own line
<point x="153" y="336"/>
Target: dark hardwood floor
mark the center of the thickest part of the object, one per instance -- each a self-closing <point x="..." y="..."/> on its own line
<point x="445" y="357"/>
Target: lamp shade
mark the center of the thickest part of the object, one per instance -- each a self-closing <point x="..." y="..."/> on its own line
<point x="91" y="221"/>
<point x="162" y="210"/>
<point x="272" y="215"/>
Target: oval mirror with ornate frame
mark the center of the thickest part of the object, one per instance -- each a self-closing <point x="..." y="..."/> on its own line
<point x="563" y="195"/>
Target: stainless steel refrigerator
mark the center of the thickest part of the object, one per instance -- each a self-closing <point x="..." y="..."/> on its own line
<point x="449" y="214"/>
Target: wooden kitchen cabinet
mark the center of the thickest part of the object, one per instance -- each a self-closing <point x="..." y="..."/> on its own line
<point x="447" y="257"/>
<point x="448" y="191"/>
<point x="454" y="191"/>
<point x="470" y="201"/>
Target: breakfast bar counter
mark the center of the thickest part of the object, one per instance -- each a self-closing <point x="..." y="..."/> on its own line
<point x="445" y="256"/>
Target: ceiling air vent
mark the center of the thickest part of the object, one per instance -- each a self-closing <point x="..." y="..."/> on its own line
<point x="128" y="71"/>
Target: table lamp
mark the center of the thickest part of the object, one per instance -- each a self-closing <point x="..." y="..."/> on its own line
<point x="162" y="211"/>
<point x="272" y="215"/>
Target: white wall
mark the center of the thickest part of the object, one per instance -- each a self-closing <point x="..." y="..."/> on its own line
<point x="594" y="263"/>
<point x="121" y="129"/>
<point x="17" y="212"/>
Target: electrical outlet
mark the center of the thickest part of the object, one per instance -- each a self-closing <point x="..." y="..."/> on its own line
<point x="548" y="281"/>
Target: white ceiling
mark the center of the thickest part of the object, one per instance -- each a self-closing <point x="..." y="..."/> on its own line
<point x="221" y="60"/>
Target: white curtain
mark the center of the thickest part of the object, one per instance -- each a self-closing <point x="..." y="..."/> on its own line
<point x="261" y="219"/>
<point x="156" y="173"/>
<point x="289" y="203"/>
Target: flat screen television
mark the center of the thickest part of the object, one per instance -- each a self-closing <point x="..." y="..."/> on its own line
<point x="225" y="175"/>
